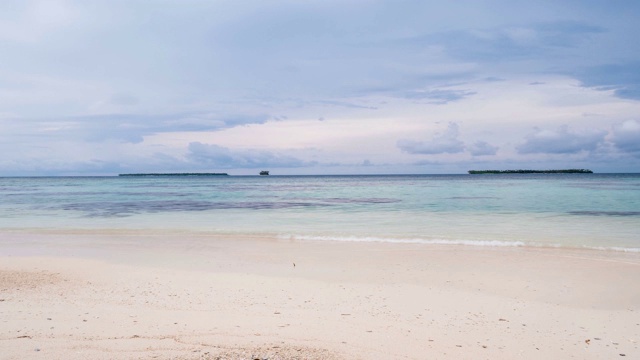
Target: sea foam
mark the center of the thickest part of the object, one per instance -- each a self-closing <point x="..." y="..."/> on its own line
<point x="492" y="243"/>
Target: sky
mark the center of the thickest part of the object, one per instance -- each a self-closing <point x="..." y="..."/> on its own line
<point x="102" y="87"/>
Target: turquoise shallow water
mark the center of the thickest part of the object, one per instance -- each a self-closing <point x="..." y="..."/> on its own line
<point x="566" y="210"/>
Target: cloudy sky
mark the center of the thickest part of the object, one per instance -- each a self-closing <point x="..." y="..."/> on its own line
<point x="318" y="87"/>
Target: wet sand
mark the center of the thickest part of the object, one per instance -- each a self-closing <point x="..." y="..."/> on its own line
<point x="187" y="296"/>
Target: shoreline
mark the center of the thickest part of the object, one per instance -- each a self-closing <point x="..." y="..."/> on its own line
<point x="164" y="298"/>
<point x="207" y="236"/>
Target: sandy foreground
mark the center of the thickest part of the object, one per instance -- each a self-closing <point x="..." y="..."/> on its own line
<point x="186" y="296"/>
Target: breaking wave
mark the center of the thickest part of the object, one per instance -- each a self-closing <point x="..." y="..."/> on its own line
<point x="492" y="243"/>
<point x="487" y="243"/>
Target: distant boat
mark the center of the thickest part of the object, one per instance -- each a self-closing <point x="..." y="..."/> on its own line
<point x="264" y="172"/>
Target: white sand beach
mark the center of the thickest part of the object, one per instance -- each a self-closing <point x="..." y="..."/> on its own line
<point x="187" y="296"/>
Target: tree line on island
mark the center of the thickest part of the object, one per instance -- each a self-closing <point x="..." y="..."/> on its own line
<point x="562" y="171"/>
<point x="175" y="174"/>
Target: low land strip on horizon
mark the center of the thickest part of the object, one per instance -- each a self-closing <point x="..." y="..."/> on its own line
<point x="561" y="171"/>
<point x="176" y="174"/>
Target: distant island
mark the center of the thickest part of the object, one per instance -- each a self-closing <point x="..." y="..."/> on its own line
<point x="176" y="174"/>
<point x="564" y="171"/>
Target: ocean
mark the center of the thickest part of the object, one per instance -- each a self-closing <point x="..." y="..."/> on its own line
<point x="599" y="211"/>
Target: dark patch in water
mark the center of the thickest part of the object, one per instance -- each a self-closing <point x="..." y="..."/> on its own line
<point x="606" y="213"/>
<point x="128" y="208"/>
<point x="119" y="209"/>
<point x="361" y="200"/>
<point x="472" y="197"/>
<point x="64" y="195"/>
<point x="620" y="187"/>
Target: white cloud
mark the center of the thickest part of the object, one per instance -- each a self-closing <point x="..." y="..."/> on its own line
<point x="224" y="158"/>
<point x="482" y="148"/>
<point x="626" y="136"/>
<point x="561" y="141"/>
<point x="29" y="21"/>
<point x="447" y="142"/>
<point x="124" y="81"/>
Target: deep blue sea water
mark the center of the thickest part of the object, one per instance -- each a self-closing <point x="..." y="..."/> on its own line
<point x="566" y="210"/>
